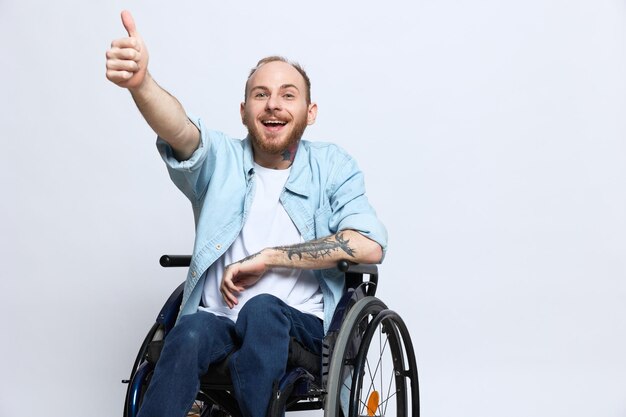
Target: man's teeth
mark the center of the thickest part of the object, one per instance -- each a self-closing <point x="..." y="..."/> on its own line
<point x="274" y="123"/>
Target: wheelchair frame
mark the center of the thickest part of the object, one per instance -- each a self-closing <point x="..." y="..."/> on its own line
<point x="341" y="388"/>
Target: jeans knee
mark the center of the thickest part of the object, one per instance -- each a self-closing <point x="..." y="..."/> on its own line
<point x="261" y="303"/>
<point x="187" y="333"/>
<point x="262" y="310"/>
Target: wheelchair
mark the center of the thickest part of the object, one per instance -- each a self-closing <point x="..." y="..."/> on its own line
<point x="367" y="367"/>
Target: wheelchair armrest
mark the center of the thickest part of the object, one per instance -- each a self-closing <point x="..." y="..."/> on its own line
<point x="355" y="275"/>
<point x="369" y="269"/>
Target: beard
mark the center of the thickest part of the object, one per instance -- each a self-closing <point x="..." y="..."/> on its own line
<point x="272" y="146"/>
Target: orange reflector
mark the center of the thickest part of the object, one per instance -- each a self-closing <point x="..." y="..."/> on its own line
<point x="372" y="403"/>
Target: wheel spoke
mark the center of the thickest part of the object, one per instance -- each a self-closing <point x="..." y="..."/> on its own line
<point x="381" y="349"/>
<point x="367" y="363"/>
<point x="378" y="370"/>
<point x="379" y="365"/>
<point x="391" y="381"/>
<point x="386" y="402"/>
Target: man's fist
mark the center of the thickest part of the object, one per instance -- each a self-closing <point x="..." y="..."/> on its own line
<point x="241" y="275"/>
<point x="127" y="59"/>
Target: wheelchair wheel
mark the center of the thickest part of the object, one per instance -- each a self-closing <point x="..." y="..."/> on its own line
<point x="373" y="370"/>
<point x="141" y="374"/>
<point x="202" y="406"/>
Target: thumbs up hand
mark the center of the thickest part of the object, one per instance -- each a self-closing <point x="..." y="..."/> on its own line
<point x="127" y="59"/>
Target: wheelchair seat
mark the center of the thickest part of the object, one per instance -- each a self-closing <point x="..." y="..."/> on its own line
<point x="337" y="381"/>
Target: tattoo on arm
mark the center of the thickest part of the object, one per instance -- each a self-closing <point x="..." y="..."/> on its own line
<point x="247" y="258"/>
<point x="319" y="249"/>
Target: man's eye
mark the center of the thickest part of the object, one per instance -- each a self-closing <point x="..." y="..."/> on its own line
<point x="289" y="96"/>
<point x="260" y="95"/>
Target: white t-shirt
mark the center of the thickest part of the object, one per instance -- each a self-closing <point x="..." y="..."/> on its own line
<point x="267" y="225"/>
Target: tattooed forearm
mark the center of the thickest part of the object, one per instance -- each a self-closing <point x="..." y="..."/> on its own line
<point x="319" y="249"/>
<point x="247" y="258"/>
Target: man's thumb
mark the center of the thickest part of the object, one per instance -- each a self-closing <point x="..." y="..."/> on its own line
<point x="129" y="23"/>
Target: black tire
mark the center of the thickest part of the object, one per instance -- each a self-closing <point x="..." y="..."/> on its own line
<point x="141" y="374"/>
<point x="373" y="365"/>
<point x="202" y="406"/>
<point x="132" y="392"/>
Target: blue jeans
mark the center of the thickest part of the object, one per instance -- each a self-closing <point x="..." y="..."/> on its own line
<point x="260" y="345"/>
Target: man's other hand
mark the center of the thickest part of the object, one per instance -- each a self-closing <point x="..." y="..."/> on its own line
<point x="241" y="275"/>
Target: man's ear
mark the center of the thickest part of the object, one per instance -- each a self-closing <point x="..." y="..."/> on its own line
<point x="311" y="114"/>
<point x="242" y="111"/>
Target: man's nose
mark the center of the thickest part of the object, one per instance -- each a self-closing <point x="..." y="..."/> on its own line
<point x="273" y="103"/>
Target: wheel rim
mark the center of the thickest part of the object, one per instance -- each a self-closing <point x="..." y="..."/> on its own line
<point x="380" y="378"/>
<point x="398" y="394"/>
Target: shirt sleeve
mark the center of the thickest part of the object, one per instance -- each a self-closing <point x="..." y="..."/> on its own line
<point x="350" y="206"/>
<point x="192" y="175"/>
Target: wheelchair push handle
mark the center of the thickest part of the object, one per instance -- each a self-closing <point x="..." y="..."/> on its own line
<point x="167" y="261"/>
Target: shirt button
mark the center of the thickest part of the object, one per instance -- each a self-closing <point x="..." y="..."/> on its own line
<point x="193" y="273"/>
<point x="218" y="246"/>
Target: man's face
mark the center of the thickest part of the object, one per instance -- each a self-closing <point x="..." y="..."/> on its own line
<point x="276" y="112"/>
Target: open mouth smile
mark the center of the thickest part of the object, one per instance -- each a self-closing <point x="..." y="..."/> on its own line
<point x="274" y="125"/>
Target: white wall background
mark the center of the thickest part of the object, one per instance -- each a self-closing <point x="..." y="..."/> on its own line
<point x="493" y="139"/>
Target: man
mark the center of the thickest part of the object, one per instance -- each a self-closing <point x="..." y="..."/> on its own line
<point x="274" y="214"/>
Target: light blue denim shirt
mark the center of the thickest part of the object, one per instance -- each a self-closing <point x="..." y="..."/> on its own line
<point x="324" y="193"/>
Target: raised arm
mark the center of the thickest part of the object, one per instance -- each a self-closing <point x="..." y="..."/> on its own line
<point x="317" y="254"/>
<point x="127" y="67"/>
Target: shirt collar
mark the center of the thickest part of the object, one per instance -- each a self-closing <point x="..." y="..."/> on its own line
<point x="299" y="180"/>
<point x="248" y="157"/>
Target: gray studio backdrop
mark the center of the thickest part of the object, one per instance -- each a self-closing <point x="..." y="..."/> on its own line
<point x="492" y="135"/>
